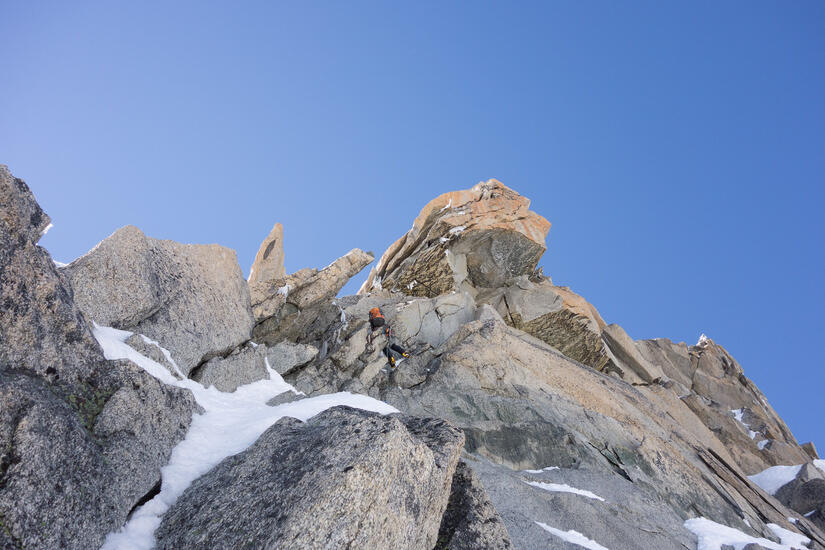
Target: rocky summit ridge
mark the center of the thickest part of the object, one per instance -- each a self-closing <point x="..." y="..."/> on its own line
<point x="150" y="396"/>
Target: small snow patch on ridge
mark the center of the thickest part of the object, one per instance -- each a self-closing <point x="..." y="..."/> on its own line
<point x="549" y="468"/>
<point x="573" y="537"/>
<point x="562" y="488"/>
<point x="703" y="340"/>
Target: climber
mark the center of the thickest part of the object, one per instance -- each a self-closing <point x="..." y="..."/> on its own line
<point x="377" y="321"/>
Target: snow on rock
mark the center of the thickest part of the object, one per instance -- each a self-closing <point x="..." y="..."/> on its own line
<point x="703" y="339"/>
<point x="456" y="230"/>
<point x="562" y="488"/>
<point x="46" y="230"/>
<point x="712" y="536"/>
<point x="231" y="422"/>
<point x="820" y="463"/>
<point x="573" y="537"/>
<point x="739" y="414"/>
<point x="547" y="469"/>
<point x="772" y="479"/>
<point x="789" y="538"/>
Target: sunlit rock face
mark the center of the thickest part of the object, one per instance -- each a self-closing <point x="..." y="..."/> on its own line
<point x="480" y="237"/>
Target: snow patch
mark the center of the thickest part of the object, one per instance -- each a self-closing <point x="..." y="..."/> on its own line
<point x="703" y="339"/>
<point x="412" y="284"/>
<point x="762" y="444"/>
<point x="46" y="230"/>
<point x="562" y="488"/>
<point x="456" y="230"/>
<point x="573" y="537"/>
<point x="547" y="469"/>
<point x="284" y="291"/>
<point x="789" y="538"/>
<point x="443" y="239"/>
<point x="773" y="478"/>
<point x="449" y="205"/>
<point x="820" y="463"/>
<point x="712" y="536"/>
<point x="59" y="264"/>
<point x="738" y="414"/>
<point x="230" y="424"/>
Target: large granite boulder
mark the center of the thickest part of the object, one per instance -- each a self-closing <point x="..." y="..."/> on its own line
<point x="269" y="262"/>
<point x="192" y="299"/>
<point x="248" y="364"/>
<point x="344" y="479"/>
<point x="244" y="365"/>
<point x="480" y="237"/>
<point x="285" y="308"/>
<point x="82" y="440"/>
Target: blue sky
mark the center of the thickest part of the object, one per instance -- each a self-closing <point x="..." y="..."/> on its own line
<point x="677" y="148"/>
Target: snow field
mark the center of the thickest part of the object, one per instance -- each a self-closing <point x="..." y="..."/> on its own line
<point x="230" y="424"/>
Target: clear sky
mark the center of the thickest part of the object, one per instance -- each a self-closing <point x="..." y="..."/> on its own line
<point x="677" y="148"/>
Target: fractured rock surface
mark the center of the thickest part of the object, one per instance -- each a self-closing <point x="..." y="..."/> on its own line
<point x="482" y="237"/>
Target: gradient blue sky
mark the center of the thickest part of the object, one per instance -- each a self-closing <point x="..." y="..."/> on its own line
<point x="677" y="148"/>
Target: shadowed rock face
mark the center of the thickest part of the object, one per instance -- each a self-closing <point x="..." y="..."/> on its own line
<point x="285" y="308"/>
<point x="190" y="298"/>
<point x="471" y="521"/>
<point x="81" y="439"/>
<point x="480" y="237"/>
<point x="344" y="479"/>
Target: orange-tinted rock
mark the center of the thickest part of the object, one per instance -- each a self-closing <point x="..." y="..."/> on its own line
<point x="269" y="262"/>
<point x="480" y="237"/>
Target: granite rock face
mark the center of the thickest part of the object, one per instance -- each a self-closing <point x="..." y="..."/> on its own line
<point x="43" y="333"/>
<point x="714" y="386"/>
<point x="285" y="308"/>
<point x="192" y="299"/>
<point x="374" y="481"/>
<point x="244" y="365"/>
<point x="269" y="262"/>
<point x="480" y="237"/>
<point x="553" y="314"/>
<point x="81" y="439"/>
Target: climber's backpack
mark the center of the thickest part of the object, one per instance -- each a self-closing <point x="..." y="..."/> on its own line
<point x="376" y="318"/>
